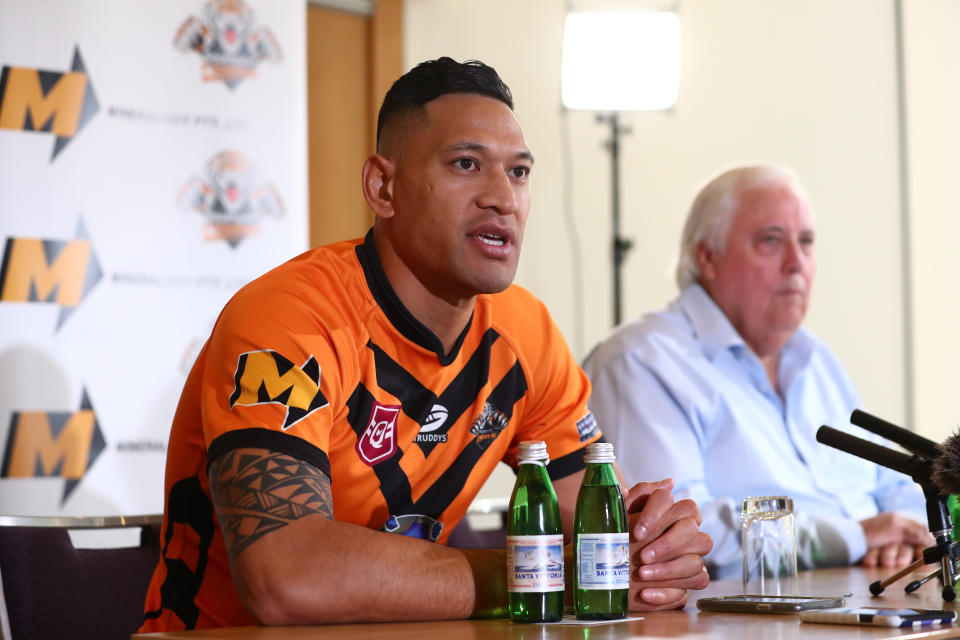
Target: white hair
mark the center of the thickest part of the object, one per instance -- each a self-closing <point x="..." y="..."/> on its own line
<point x="711" y="213"/>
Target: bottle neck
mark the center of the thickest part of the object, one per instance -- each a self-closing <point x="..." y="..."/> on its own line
<point x="532" y="471"/>
<point x="600" y="473"/>
<point x="531" y="461"/>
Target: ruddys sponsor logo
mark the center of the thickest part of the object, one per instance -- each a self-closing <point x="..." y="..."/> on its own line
<point x="266" y="377"/>
<point x="230" y="198"/>
<point x="229" y="41"/>
<point x="46" y="271"/>
<point x="58" y="103"/>
<point x="44" y="444"/>
<point x="435" y="418"/>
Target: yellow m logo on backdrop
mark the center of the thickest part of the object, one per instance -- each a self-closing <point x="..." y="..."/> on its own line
<point x="44" y="271"/>
<point x="57" y="271"/>
<point x="53" y="444"/>
<point x="25" y="106"/>
<point x="266" y="377"/>
<point x="54" y="102"/>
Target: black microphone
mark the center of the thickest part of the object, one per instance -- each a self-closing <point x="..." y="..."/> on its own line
<point x="946" y="467"/>
<point x="873" y="452"/>
<point x="945" y="459"/>
<point x="904" y="437"/>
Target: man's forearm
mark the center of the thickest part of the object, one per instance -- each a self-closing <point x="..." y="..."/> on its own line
<point x="321" y="571"/>
<point x="291" y="562"/>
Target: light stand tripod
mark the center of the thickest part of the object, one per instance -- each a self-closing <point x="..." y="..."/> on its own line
<point x="621" y="246"/>
<point x="945" y="552"/>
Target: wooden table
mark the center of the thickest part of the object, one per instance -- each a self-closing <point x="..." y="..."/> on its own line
<point x="851" y="583"/>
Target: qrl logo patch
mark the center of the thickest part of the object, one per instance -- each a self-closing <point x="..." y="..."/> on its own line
<point x="379" y="441"/>
<point x="266" y="377"/>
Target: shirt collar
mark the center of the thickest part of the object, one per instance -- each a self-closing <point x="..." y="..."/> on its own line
<point x="717" y="334"/>
<point x="394" y="309"/>
<point x="709" y="323"/>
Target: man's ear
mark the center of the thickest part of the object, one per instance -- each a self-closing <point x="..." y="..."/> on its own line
<point x="377" y="176"/>
<point x="705" y="260"/>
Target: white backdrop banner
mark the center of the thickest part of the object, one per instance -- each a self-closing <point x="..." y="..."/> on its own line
<point x="152" y="161"/>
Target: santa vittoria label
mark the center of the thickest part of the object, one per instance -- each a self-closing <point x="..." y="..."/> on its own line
<point x="604" y="560"/>
<point x="535" y="563"/>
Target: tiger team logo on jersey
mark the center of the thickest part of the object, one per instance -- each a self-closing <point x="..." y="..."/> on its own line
<point x="488" y="425"/>
<point x="228" y="40"/>
<point x="378" y="442"/>
<point x="266" y="377"/>
<point x="40" y="270"/>
<point x="230" y="198"/>
<point x="42" y="444"/>
<point x="52" y="102"/>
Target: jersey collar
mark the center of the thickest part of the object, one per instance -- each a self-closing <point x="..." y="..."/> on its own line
<point x="398" y="315"/>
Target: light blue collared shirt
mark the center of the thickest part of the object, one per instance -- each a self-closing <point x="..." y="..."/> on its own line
<point x="681" y="395"/>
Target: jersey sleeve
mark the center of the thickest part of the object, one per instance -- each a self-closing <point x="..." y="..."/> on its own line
<point x="555" y="409"/>
<point x="272" y="377"/>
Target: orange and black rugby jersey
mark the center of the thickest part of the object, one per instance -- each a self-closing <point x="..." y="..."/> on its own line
<point x="320" y="360"/>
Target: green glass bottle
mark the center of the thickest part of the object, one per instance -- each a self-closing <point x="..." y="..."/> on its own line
<point x="534" y="541"/>
<point x="601" y="572"/>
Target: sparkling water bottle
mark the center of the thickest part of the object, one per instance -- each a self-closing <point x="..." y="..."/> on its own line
<point x="601" y="578"/>
<point x="534" y="541"/>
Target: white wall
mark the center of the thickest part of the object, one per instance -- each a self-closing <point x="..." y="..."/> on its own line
<point x="811" y="85"/>
<point x="933" y="102"/>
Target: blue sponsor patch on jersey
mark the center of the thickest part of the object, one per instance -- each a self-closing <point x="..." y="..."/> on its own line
<point x="414" y="526"/>
<point x="587" y="427"/>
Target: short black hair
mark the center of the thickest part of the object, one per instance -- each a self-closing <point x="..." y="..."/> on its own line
<point x="434" y="78"/>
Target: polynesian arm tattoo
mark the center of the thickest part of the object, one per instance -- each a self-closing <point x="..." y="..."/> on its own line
<point x="257" y="491"/>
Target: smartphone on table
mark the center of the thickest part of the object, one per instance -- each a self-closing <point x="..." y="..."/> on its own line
<point x="767" y="604"/>
<point x="880" y="617"/>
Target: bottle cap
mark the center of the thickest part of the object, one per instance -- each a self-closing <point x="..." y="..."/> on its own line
<point x="533" y="451"/>
<point x="599" y="452"/>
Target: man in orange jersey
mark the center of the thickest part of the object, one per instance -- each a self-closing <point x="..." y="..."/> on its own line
<point x="369" y="388"/>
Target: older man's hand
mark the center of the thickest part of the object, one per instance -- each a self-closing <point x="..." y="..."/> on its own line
<point x="894" y="540"/>
<point x="666" y="547"/>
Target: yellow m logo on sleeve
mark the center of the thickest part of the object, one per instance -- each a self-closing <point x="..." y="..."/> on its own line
<point x="266" y="377"/>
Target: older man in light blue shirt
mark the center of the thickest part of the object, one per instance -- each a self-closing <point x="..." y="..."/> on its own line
<point x="724" y="391"/>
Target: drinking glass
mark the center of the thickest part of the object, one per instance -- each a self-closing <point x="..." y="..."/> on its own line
<point x="769" y="541"/>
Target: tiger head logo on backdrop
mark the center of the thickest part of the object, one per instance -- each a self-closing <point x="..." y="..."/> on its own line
<point x="230" y="198"/>
<point x="228" y="40"/>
